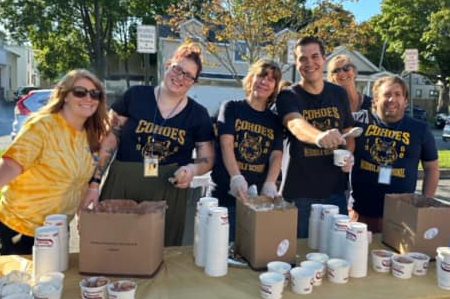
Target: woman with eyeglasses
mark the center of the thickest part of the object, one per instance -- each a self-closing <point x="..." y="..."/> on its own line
<point x="47" y="167"/>
<point x="251" y="141"/>
<point x="155" y="130"/>
<point x="343" y="72"/>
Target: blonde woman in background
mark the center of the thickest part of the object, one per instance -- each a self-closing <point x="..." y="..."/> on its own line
<point x="47" y="167"/>
<point x="343" y="72"/>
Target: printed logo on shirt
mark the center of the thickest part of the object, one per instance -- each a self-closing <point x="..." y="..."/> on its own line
<point x="176" y="134"/>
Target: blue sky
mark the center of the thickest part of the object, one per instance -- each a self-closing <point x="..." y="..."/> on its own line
<point x="363" y="9"/>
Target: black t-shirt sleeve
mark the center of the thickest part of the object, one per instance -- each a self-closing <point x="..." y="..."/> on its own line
<point x="348" y="120"/>
<point x="204" y="130"/>
<point x="429" y="150"/>
<point x="121" y="105"/>
<point x="285" y="103"/>
<point x="227" y="116"/>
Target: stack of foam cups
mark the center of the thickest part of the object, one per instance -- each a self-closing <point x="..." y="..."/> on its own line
<point x="326" y="216"/>
<point x="46" y="251"/>
<point x="443" y="267"/>
<point x="203" y="205"/>
<point x="60" y="221"/>
<point x="217" y="242"/>
<point x="313" y="227"/>
<point x="336" y="243"/>
<point x="357" y="249"/>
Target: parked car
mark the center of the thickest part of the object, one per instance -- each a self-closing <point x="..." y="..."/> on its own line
<point x="32" y="102"/>
<point x="419" y="113"/>
<point x="23" y="91"/>
<point x="440" y="119"/>
<point x="446" y="131"/>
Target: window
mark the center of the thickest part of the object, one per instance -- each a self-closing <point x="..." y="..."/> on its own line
<point x="240" y="51"/>
<point x="434" y="93"/>
<point x="418" y="93"/>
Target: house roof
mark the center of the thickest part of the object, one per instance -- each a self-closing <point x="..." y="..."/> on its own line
<point x="363" y="65"/>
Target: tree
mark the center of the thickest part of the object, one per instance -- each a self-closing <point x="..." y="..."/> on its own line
<point x="424" y="25"/>
<point x="248" y="26"/>
<point x="68" y="34"/>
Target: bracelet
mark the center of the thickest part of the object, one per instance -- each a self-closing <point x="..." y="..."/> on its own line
<point x="94" y="189"/>
<point x="95" y="180"/>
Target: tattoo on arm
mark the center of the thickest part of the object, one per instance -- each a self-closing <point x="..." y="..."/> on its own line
<point x="104" y="163"/>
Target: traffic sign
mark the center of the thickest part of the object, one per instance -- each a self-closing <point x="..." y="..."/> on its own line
<point x="146" y="39"/>
<point x="411" y="60"/>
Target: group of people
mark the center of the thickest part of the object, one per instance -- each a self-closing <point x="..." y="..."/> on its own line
<point x="155" y="139"/>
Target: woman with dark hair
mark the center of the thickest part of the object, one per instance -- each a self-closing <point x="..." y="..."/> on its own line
<point x="154" y="131"/>
<point x="47" y="167"/>
<point x="251" y="142"/>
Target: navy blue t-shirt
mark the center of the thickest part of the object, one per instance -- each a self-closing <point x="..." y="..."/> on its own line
<point x="256" y="135"/>
<point x="173" y="139"/>
<point x="401" y="146"/>
<point x="311" y="172"/>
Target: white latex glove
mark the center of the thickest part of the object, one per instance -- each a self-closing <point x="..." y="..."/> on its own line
<point x="330" y="139"/>
<point x="238" y="186"/>
<point x="183" y="176"/>
<point x="269" y="189"/>
<point x="349" y="161"/>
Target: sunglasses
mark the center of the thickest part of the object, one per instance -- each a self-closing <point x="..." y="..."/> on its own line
<point x="178" y="71"/>
<point x="346" y="68"/>
<point x="81" y="92"/>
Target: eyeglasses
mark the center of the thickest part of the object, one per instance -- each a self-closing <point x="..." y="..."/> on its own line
<point x="81" y="92"/>
<point x="346" y="68"/>
<point x="178" y="71"/>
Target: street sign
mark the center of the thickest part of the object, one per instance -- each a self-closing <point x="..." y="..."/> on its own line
<point x="291" y="51"/>
<point x="411" y="60"/>
<point x="146" y="39"/>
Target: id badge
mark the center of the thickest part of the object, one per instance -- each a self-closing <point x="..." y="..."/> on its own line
<point x="151" y="165"/>
<point x="385" y="174"/>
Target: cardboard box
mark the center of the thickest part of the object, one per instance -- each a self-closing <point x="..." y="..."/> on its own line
<point x="412" y="222"/>
<point x="119" y="243"/>
<point x="265" y="236"/>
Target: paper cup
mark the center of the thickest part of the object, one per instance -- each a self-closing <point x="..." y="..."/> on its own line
<point x="302" y="280"/>
<point x="443" y="273"/>
<point x="381" y="260"/>
<point x="271" y="285"/>
<point x="318" y="257"/>
<point x="280" y="267"/>
<point x="47" y="290"/>
<point x="122" y="289"/>
<point x="319" y="270"/>
<point x="94" y="287"/>
<point x="421" y="263"/>
<point x="338" y="270"/>
<point x="402" y="266"/>
<point x="340" y="155"/>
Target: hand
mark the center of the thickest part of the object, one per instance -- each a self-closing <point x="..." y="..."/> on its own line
<point x="348" y="164"/>
<point x="353" y="215"/>
<point x="330" y="139"/>
<point x="239" y="187"/>
<point x="182" y="178"/>
<point x="269" y="189"/>
<point x="91" y="198"/>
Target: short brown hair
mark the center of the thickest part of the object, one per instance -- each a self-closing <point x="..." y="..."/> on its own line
<point x="391" y="80"/>
<point x="191" y="51"/>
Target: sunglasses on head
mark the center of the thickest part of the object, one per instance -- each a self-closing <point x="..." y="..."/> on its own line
<point x="81" y="92"/>
<point x="345" y="68"/>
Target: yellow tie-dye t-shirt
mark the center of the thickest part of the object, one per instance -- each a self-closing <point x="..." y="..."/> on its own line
<point x="57" y="164"/>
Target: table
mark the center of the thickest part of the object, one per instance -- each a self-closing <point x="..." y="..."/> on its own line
<point x="180" y="278"/>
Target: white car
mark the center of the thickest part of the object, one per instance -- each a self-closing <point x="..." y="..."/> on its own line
<point x="31" y="103"/>
<point x="446" y="131"/>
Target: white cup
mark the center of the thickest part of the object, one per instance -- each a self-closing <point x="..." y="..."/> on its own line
<point x="402" y="266"/>
<point x="47" y="290"/>
<point x="421" y="263"/>
<point x="122" y="289"/>
<point x="444" y="253"/>
<point x="318" y="257"/>
<point x="338" y="270"/>
<point x="382" y="260"/>
<point x="280" y="267"/>
<point x="271" y="285"/>
<point x="319" y="270"/>
<point x="340" y="155"/>
<point x="302" y="280"/>
<point x="443" y="273"/>
<point x="94" y="287"/>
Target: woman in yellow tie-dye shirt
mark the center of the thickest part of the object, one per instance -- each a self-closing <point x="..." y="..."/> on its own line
<point x="47" y="167"/>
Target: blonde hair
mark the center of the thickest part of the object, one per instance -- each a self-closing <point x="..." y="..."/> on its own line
<point x="189" y="50"/>
<point x="260" y="68"/>
<point x="338" y="59"/>
<point x="96" y="125"/>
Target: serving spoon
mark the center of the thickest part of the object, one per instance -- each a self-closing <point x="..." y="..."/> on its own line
<point x="354" y="132"/>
